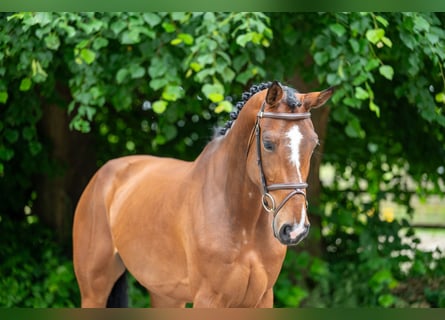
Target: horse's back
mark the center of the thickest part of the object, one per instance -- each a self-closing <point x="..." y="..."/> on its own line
<point x="123" y="169"/>
<point x="135" y="180"/>
<point x="125" y="183"/>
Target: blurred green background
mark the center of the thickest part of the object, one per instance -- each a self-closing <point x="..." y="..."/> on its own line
<point x="78" y="89"/>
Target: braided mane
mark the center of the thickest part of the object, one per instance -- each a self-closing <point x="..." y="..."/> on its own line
<point x="291" y="101"/>
<point x="240" y="104"/>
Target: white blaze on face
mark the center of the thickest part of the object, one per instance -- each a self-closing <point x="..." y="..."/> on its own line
<point x="295" y="138"/>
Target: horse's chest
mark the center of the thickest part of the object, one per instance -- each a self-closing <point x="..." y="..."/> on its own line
<point x="250" y="283"/>
<point x="245" y="281"/>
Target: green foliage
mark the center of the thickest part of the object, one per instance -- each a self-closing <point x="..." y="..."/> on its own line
<point x="123" y="77"/>
<point x="371" y="46"/>
<point x="376" y="143"/>
<point x="367" y="264"/>
<point x="179" y="66"/>
<point x="34" y="271"/>
<point x="372" y="50"/>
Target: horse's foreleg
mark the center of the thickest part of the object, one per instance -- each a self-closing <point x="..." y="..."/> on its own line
<point x="266" y="300"/>
<point x="158" y="301"/>
<point x="207" y="298"/>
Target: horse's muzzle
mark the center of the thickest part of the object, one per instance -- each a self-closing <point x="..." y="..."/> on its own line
<point x="291" y="235"/>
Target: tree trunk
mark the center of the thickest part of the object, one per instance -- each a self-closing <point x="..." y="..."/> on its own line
<point x="314" y="244"/>
<point x="72" y="155"/>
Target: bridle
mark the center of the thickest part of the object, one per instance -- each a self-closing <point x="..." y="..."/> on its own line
<point x="297" y="188"/>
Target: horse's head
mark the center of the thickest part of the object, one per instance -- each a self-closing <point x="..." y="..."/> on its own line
<point x="280" y="148"/>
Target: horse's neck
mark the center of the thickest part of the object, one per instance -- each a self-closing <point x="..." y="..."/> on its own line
<point x="224" y="161"/>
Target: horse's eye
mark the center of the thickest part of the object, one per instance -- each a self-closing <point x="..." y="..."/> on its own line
<point x="268" y="145"/>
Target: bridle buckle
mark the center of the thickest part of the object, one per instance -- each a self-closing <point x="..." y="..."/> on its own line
<point x="266" y="197"/>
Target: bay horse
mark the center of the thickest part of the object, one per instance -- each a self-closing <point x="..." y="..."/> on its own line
<point x="213" y="231"/>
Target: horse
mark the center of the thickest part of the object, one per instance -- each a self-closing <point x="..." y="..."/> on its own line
<point x="214" y="231"/>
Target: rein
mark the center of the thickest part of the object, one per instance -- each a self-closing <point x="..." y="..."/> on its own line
<point x="297" y="188"/>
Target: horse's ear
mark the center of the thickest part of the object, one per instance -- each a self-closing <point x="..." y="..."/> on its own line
<point x="314" y="100"/>
<point x="274" y="93"/>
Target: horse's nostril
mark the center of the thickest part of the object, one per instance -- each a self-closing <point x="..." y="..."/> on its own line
<point x="292" y="234"/>
<point x="285" y="231"/>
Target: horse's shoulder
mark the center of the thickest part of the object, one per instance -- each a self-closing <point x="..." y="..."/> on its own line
<point x="141" y="165"/>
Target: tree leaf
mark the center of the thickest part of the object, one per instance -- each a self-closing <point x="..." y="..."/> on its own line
<point x="168" y="27"/>
<point x="354" y="45"/>
<point x="43" y="18"/>
<point x="151" y="18"/>
<point x="118" y="26"/>
<point x="375" y="35"/>
<point x="6" y="154"/>
<point x="52" y="41"/>
<point x="242" y="39"/>
<point x="420" y="24"/>
<point x="131" y="36"/>
<point x="215" y="92"/>
<point x="372" y="64"/>
<point x="3" y="96"/>
<point x="382" y="20"/>
<point x="158" y="68"/>
<point x="224" y="106"/>
<point x="170" y="132"/>
<point x="187" y="38"/>
<point x="361" y="93"/>
<point x="228" y="74"/>
<point x="136" y="71"/>
<point x="386" y="300"/>
<point x="121" y="75"/>
<point x="25" y="84"/>
<point x="375" y="108"/>
<point x="28" y="133"/>
<point x="338" y="29"/>
<point x="157" y="84"/>
<point x="100" y="43"/>
<point x="433" y="38"/>
<point x="321" y="57"/>
<point x="35" y="147"/>
<point x="196" y="66"/>
<point x="172" y="93"/>
<point x="353" y="129"/>
<point x="11" y="135"/>
<point x="387" y="42"/>
<point x="440" y="97"/>
<point x="387" y="71"/>
<point x="215" y="97"/>
<point x="176" y="41"/>
<point x="159" y="106"/>
<point x="87" y="55"/>
<point x="86" y="111"/>
<point x="352" y="102"/>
